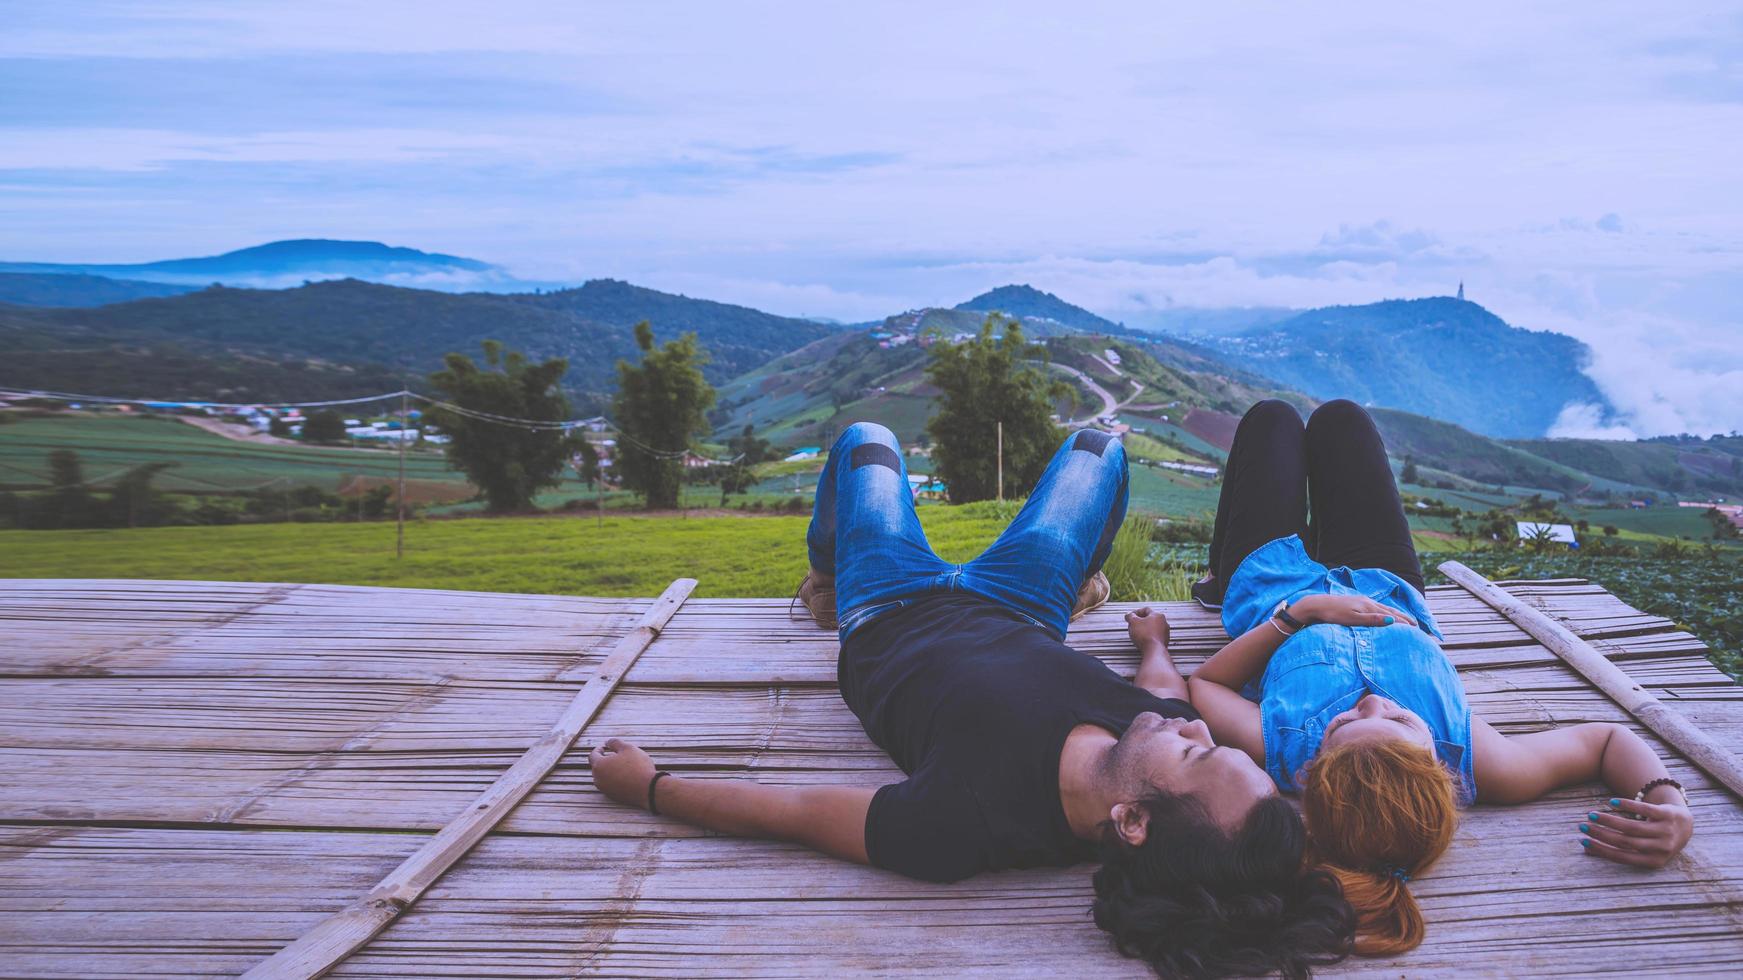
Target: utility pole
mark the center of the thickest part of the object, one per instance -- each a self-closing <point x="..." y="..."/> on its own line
<point x="399" y="534"/>
<point x="1001" y="439"/>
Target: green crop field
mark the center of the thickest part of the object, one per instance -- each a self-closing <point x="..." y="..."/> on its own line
<point x="1167" y="493"/>
<point x="729" y="556"/>
<point x="109" y="445"/>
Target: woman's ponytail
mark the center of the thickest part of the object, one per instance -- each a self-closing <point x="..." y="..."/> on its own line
<point x="1388" y="920"/>
<point x="1377" y="813"/>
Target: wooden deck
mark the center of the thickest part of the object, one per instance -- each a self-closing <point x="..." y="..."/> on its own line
<point x="193" y="774"/>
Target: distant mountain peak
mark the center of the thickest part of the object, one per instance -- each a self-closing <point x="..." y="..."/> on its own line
<point x="290" y="261"/>
<point x="1026" y="301"/>
<point x="329" y="249"/>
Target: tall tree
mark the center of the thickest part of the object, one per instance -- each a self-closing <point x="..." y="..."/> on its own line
<point x="508" y="463"/>
<point x="984" y="382"/>
<point x="662" y="405"/>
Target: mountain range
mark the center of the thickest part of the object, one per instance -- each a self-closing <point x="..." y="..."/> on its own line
<point x="136" y="331"/>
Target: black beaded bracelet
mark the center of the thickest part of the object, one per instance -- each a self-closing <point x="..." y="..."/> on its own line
<point x="1667" y="781"/>
<point x="659" y="774"/>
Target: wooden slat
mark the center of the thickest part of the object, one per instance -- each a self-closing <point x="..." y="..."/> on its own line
<point x="333" y="939"/>
<point x="1691" y="739"/>
<point x="299" y="708"/>
<point x="208" y="902"/>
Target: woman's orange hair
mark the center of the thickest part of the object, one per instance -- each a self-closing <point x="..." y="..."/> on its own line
<point x="1374" y="810"/>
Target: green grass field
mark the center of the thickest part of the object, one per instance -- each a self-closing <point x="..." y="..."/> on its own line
<point x="729" y="556"/>
<point x="204" y="462"/>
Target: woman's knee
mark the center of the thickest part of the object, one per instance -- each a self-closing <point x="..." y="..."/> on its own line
<point x="1272" y="411"/>
<point x="1340" y="412"/>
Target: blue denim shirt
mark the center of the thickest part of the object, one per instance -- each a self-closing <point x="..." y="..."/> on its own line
<point x="1323" y="670"/>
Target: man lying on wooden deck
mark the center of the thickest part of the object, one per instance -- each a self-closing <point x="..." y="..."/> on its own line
<point x="1020" y="751"/>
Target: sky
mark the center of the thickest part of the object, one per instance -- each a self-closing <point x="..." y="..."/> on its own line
<point x="1579" y="166"/>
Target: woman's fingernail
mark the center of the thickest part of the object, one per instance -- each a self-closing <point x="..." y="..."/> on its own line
<point x="1584" y="842"/>
<point x="1593" y="816"/>
<point x="1615" y="802"/>
<point x="1585" y="829"/>
<point x="1390" y="620"/>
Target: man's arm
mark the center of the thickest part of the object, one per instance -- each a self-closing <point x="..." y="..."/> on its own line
<point x="1156" y="671"/>
<point x="830" y="819"/>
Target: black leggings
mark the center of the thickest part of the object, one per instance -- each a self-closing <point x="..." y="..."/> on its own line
<point x="1336" y="465"/>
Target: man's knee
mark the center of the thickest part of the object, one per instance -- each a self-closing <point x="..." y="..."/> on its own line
<point x="869" y="444"/>
<point x="862" y="433"/>
<point x="1097" y="443"/>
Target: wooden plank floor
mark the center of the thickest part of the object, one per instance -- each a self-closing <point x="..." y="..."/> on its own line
<point x="191" y="774"/>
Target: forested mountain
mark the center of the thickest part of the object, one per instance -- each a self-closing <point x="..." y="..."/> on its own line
<point x="1443" y="357"/>
<point x="736" y="336"/>
<point x="52" y="289"/>
<point x="1028" y="303"/>
<point x="365" y="326"/>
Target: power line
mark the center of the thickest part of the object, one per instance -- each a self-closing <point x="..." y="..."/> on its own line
<point x="533" y="425"/>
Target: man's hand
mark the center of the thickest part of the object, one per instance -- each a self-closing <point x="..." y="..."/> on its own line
<point x="622" y="771"/>
<point x="1146" y="627"/>
<point x="1644" y="843"/>
<point x="1346" y="610"/>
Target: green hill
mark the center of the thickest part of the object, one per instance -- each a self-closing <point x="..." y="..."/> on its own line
<point x="237" y="344"/>
<point x="1443" y="357"/>
<point x="1687" y="464"/>
<point x="1029" y="304"/>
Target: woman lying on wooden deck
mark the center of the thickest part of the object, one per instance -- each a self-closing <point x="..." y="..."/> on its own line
<point x="1020" y="751"/>
<point x="1336" y="685"/>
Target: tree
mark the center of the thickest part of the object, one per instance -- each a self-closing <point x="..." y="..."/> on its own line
<point x="277" y="426"/>
<point x="983" y="382"/>
<point x="135" y="502"/>
<point x="327" y="426"/>
<point x="746" y="451"/>
<point x="70" y="500"/>
<point x="587" y="463"/>
<point x="1409" y="475"/>
<point x="509" y="463"/>
<point x="661" y="405"/>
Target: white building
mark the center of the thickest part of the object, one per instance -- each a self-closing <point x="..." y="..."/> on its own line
<point x="1559" y="533"/>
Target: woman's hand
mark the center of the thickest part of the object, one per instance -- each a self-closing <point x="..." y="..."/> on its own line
<point x="621" y="771"/>
<point x="1644" y="843"/>
<point x="1346" y="610"/>
<point x="1146" y="627"/>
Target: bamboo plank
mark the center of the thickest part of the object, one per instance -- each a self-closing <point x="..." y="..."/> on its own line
<point x="1498" y="903"/>
<point x="1700" y="747"/>
<point x="205" y="709"/>
<point x="333" y="939"/>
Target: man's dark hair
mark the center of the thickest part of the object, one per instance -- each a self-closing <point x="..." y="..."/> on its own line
<point x="1195" y="901"/>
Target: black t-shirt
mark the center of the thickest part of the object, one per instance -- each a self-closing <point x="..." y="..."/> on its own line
<point x="974" y="703"/>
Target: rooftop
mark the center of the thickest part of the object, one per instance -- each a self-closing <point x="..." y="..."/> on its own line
<point x="193" y="774"/>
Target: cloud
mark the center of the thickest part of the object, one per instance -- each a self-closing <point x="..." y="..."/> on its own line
<point x="846" y="161"/>
<point x="1583" y="420"/>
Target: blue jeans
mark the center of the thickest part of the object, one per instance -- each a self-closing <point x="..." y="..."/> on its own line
<point x="864" y="532"/>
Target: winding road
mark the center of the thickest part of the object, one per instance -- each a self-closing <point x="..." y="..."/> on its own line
<point x="1108" y="405"/>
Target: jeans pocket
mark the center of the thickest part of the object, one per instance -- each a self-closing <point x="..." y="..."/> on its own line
<point x="855" y="618"/>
